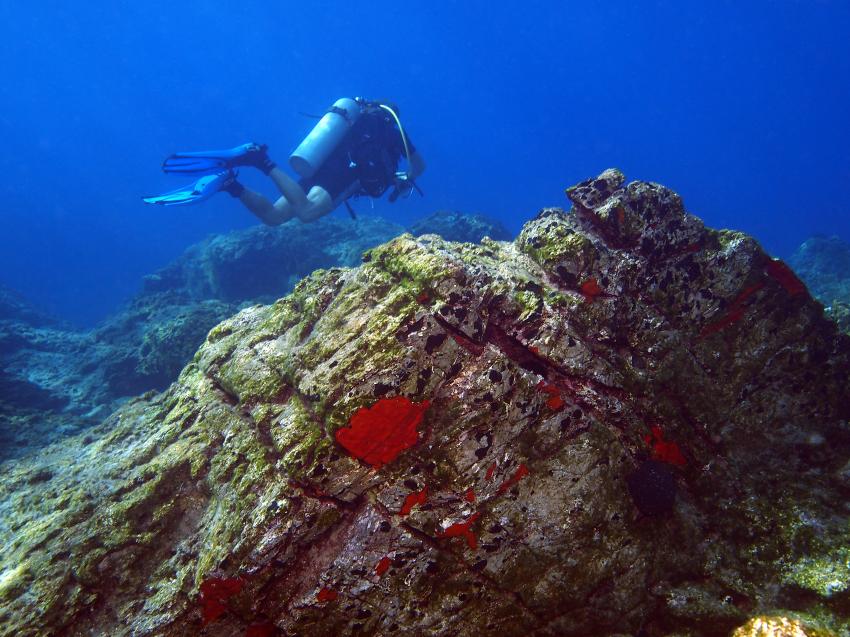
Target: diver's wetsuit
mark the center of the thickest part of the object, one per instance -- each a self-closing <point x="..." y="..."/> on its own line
<point x="369" y="153"/>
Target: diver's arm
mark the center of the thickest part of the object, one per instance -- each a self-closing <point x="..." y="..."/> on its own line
<point x="417" y="165"/>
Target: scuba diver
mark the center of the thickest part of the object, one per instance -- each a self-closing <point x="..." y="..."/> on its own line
<point x="353" y="150"/>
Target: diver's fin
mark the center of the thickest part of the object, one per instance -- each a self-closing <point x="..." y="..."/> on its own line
<point x="205" y="161"/>
<point x="202" y="189"/>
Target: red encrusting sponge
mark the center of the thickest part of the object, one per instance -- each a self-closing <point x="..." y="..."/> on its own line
<point x="378" y="434"/>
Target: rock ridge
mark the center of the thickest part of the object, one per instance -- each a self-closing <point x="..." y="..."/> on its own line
<point x="629" y="422"/>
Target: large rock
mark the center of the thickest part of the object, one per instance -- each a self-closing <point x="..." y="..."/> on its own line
<point x="621" y="423"/>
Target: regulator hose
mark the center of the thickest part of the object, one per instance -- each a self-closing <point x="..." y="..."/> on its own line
<point x="400" y="130"/>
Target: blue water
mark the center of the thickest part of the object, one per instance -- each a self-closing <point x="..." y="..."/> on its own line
<point x="742" y="107"/>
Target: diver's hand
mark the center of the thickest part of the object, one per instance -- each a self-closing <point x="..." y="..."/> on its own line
<point x="403" y="185"/>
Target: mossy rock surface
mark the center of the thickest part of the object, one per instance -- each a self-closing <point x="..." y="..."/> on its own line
<point x="226" y="505"/>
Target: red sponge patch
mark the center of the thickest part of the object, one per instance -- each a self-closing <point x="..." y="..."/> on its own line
<point x="785" y="276"/>
<point x="412" y="499"/>
<point x="378" y="434"/>
<point x="664" y="450"/>
<point x="215" y="592"/>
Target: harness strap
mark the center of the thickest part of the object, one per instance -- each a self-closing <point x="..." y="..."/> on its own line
<point x="342" y="112"/>
<point x="350" y="209"/>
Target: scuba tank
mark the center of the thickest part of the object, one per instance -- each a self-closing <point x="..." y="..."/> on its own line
<point x="325" y="136"/>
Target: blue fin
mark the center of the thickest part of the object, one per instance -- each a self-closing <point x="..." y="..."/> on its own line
<point x="202" y="189"/>
<point x="205" y="161"/>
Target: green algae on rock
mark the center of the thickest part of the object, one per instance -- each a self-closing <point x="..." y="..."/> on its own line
<point x="543" y="400"/>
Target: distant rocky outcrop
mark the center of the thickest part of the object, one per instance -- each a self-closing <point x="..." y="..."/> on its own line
<point x="621" y="423"/>
<point x="263" y="263"/>
<point x="824" y="264"/>
<point x="461" y="227"/>
<point x="14" y="307"/>
<point x="41" y="397"/>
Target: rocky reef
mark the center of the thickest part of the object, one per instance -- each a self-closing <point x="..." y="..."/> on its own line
<point x="56" y="380"/>
<point x="621" y="423"/>
<point x="46" y="391"/>
<point x="162" y="327"/>
<point x="824" y="264"/>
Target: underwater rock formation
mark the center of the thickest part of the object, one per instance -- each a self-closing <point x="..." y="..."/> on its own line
<point x="15" y="308"/>
<point x="452" y="439"/>
<point x="461" y="227"/>
<point x="43" y="395"/>
<point x="263" y="263"/>
<point x="824" y="264"/>
<point x="57" y="380"/>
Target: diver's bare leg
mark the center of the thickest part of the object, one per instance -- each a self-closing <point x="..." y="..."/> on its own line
<point x="289" y="188"/>
<point x="284" y="208"/>
<point x="317" y="204"/>
<point x="269" y="213"/>
<point x="320" y="204"/>
<point x="293" y="203"/>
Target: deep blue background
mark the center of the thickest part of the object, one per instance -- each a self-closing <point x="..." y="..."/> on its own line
<point x="742" y="107"/>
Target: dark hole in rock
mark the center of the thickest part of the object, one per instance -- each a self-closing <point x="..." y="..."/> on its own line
<point x="652" y="487"/>
<point x="434" y="341"/>
<point x="381" y="389"/>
